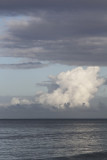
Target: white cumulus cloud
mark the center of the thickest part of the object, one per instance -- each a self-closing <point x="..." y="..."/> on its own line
<point x="75" y="88"/>
<point x="18" y="101"/>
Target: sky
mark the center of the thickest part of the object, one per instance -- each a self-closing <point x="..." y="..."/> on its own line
<point x="53" y="59"/>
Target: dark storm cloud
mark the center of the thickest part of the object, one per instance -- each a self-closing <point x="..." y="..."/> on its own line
<point x="68" y="32"/>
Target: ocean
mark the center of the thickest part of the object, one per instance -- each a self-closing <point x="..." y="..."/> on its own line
<point x="53" y="139"/>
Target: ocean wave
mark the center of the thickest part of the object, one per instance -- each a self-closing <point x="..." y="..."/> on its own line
<point x="91" y="156"/>
<point x="87" y="156"/>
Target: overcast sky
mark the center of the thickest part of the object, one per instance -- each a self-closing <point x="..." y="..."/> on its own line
<point x="53" y="58"/>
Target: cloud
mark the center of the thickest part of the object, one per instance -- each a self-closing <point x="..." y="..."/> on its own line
<point x="40" y="111"/>
<point x="26" y="6"/>
<point x="75" y="88"/>
<point x="59" y="31"/>
<point x="26" y="107"/>
<point x="79" y="39"/>
<point x="47" y="27"/>
<point x="105" y="81"/>
<point x="19" y="101"/>
<point x="50" y="85"/>
<point x="29" y="65"/>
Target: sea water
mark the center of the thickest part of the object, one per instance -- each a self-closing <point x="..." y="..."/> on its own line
<point x="57" y="139"/>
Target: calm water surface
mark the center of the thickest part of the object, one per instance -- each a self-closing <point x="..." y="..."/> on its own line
<point x="53" y="139"/>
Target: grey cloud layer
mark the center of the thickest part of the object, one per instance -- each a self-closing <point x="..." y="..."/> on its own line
<point x="14" y="5"/>
<point x="68" y="32"/>
<point x="41" y="111"/>
<point x="29" y="65"/>
<point x="66" y="25"/>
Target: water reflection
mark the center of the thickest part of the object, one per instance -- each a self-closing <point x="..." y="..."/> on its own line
<point x="47" y="138"/>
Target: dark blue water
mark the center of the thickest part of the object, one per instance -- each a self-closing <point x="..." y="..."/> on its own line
<point x="53" y="139"/>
